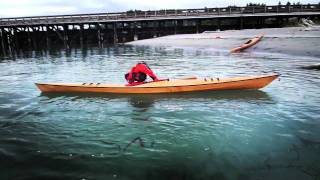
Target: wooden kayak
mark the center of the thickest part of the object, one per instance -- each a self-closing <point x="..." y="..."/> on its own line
<point x="248" y="44"/>
<point x="165" y="86"/>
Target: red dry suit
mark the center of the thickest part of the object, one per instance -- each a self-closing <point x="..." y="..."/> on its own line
<point x="138" y="73"/>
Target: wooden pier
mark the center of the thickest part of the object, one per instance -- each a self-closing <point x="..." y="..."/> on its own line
<point x="103" y="29"/>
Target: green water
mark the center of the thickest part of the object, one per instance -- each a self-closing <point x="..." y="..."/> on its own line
<point x="272" y="133"/>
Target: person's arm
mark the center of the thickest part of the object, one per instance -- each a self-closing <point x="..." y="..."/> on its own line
<point x="130" y="76"/>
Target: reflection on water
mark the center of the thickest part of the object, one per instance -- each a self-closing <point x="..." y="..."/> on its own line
<point x="134" y="99"/>
<point x="272" y="133"/>
<point x="141" y="103"/>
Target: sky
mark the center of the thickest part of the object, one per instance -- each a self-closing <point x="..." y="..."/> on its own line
<point x="19" y="8"/>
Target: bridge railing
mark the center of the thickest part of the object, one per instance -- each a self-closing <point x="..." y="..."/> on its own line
<point x="166" y="13"/>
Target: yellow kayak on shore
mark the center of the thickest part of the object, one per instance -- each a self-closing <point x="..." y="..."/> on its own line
<point x="164" y="86"/>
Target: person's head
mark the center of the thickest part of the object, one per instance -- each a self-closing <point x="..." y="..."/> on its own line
<point x="143" y="62"/>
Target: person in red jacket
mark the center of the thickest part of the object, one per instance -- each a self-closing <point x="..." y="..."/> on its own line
<point x="139" y="73"/>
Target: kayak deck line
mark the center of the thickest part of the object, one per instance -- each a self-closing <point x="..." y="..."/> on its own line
<point x="138" y="86"/>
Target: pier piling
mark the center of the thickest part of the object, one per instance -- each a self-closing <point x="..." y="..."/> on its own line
<point x="47" y="37"/>
<point x="29" y="37"/>
<point x="115" y="36"/>
<point x="81" y="35"/>
<point x="2" y="42"/>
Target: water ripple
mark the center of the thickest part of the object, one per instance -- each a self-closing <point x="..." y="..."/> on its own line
<point x="202" y="135"/>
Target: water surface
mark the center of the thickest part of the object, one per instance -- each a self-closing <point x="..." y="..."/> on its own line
<point x="272" y="133"/>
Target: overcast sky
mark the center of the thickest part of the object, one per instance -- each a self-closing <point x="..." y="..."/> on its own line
<point x="16" y="8"/>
